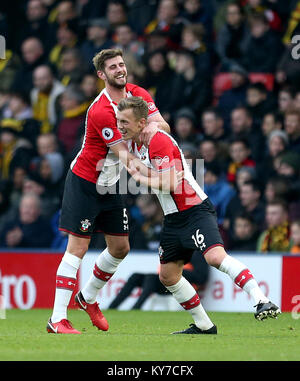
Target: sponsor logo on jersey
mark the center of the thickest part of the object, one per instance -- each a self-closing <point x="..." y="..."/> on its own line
<point x="107" y="133"/>
<point x="160" y="160"/>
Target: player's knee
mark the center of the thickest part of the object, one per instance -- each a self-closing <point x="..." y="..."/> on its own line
<point x="120" y="251"/>
<point x="215" y="256"/>
<point x="79" y="249"/>
<point x="167" y="279"/>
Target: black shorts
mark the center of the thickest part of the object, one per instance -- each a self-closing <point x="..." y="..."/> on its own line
<point x="184" y="232"/>
<point x="85" y="211"/>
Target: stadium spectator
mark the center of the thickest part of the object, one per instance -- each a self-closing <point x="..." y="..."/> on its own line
<point x="18" y="112"/>
<point x="236" y="95"/>
<point x="249" y="199"/>
<point x="14" y="149"/>
<point x="243" y="127"/>
<point x="192" y="38"/>
<point x="28" y="229"/>
<point x="146" y="236"/>
<point x="213" y="128"/>
<point x="295" y="237"/>
<point x="245" y="233"/>
<point x="285" y="99"/>
<point x="127" y="41"/>
<point x="232" y="37"/>
<point x="217" y="188"/>
<point x="71" y="124"/>
<point x="276" y="188"/>
<point x="65" y="12"/>
<point x="244" y="174"/>
<point x="240" y="156"/>
<point x="36" y="24"/>
<point x="196" y="272"/>
<point x="199" y="12"/>
<point x="185" y="128"/>
<point x="271" y="121"/>
<point x="257" y="57"/>
<point x="97" y="38"/>
<point x="158" y="80"/>
<point x="194" y="90"/>
<point x="277" y="144"/>
<point x="208" y="150"/>
<point x="116" y="13"/>
<point x="292" y="128"/>
<point x="66" y="38"/>
<point x="72" y="67"/>
<point x="276" y="237"/>
<point x="89" y="86"/>
<point x="33" y="55"/>
<point x="213" y="125"/>
<point x="133" y="50"/>
<point x="167" y="20"/>
<point x="259" y="102"/>
<point x="8" y="69"/>
<point x="44" y="96"/>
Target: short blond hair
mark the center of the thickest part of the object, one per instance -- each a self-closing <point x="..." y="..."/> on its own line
<point x="104" y="55"/>
<point x="137" y="104"/>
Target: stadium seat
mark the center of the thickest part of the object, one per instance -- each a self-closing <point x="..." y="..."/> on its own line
<point x="221" y="83"/>
<point x="266" y="78"/>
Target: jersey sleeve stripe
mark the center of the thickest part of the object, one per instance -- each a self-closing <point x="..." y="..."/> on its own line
<point x="165" y="169"/>
<point x="115" y="142"/>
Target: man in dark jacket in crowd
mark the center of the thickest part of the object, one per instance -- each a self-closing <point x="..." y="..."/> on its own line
<point x="28" y="229"/>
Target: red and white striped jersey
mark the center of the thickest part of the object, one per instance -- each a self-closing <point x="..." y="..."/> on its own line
<point x="163" y="154"/>
<point x="95" y="161"/>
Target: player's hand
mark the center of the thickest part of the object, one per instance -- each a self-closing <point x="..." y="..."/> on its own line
<point x="179" y="176"/>
<point x="148" y="132"/>
<point x="133" y="170"/>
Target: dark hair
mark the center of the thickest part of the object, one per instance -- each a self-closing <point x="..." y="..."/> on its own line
<point x="259" y="86"/>
<point x="279" y="201"/>
<point x="104" y="55"/>
<point x="256" y="186"/>
<point x="245" y="216"/>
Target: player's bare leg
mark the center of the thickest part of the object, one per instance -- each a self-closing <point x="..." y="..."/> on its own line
<point x="243" y="278"/>
<point x="171" y="277"/>
<point x="105" y="267"/>
<point x="66" y="278"/>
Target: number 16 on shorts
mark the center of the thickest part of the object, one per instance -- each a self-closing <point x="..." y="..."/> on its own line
<point x="198" y="239"/>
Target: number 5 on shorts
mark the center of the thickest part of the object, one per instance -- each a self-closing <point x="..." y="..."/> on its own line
<point x="125" y="219"/>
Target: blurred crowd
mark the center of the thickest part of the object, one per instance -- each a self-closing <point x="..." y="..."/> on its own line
<point x="224" y="74"/>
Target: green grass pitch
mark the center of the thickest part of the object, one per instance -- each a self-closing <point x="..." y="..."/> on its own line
<point x="145" y="336"/>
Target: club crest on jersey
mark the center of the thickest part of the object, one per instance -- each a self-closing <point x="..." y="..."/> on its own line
<point x="85" y="224"/>
<point x="151" y="106"/>
<point x="160" y="160"/>
<point x="160" y="252"/>
<point x="143" y="153"/>
<point x="107" y="133"/>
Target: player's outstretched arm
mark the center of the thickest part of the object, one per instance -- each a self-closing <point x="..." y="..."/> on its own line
<point x="164" y="181"/>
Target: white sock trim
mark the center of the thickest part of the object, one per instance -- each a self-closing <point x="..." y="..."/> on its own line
<point x="72" y="260"/>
